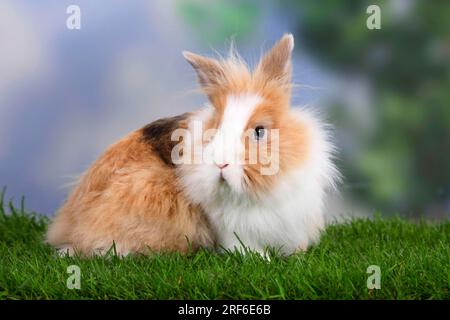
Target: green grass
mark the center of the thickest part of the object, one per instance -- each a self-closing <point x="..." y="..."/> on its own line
<point x="413" y="257"/>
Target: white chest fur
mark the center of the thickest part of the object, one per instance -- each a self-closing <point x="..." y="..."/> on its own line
<point x="290" y="219"/>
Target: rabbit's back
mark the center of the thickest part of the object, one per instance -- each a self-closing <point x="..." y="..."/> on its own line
<point x="129" y="196"/>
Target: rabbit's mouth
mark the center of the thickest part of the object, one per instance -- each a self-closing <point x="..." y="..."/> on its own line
<point x="222" y="178"/>
<point x="229" y="180"/>
<point x="223" y="181"/>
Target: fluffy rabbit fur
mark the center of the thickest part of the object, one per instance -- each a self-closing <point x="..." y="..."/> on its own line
<point x="142" y="200"/>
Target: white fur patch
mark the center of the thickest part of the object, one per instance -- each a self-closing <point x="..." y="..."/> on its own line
<point x="227" y="146"/>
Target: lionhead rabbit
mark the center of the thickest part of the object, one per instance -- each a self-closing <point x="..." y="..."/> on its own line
<point x="245" y="169"/>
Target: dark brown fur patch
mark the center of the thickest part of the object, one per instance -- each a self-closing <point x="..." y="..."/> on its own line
<point x="158" y="135"/>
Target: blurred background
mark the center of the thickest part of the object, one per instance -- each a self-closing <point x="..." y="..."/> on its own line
<point x="65" y="95"/>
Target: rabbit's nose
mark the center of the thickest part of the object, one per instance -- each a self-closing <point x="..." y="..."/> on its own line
<point x="221" y="166"/>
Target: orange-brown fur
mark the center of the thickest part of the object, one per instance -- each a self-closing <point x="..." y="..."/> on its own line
<point x="293" y="148"/>
<point x="129" y="196"/>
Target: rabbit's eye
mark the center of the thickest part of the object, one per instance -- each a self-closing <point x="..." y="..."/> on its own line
<point x="260" y="132"/>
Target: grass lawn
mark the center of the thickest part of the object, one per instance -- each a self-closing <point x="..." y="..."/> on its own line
<point x="413" y="257"/>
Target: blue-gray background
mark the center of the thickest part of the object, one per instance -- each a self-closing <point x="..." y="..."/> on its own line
<point x="65" y="95"/>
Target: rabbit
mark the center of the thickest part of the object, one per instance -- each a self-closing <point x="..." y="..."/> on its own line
<point x="244" y="171"/>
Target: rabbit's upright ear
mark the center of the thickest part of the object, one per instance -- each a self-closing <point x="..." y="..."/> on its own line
<point x="276" y="63"/>
<point x="209" y="71"/>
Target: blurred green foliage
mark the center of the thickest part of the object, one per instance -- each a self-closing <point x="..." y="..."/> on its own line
<point x="217" y="20"/>
<point x="406" y="159"/>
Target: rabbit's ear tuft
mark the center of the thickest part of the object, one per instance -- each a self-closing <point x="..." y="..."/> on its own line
<point x="276" y="63"/>
<point x="209" y="71"/>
